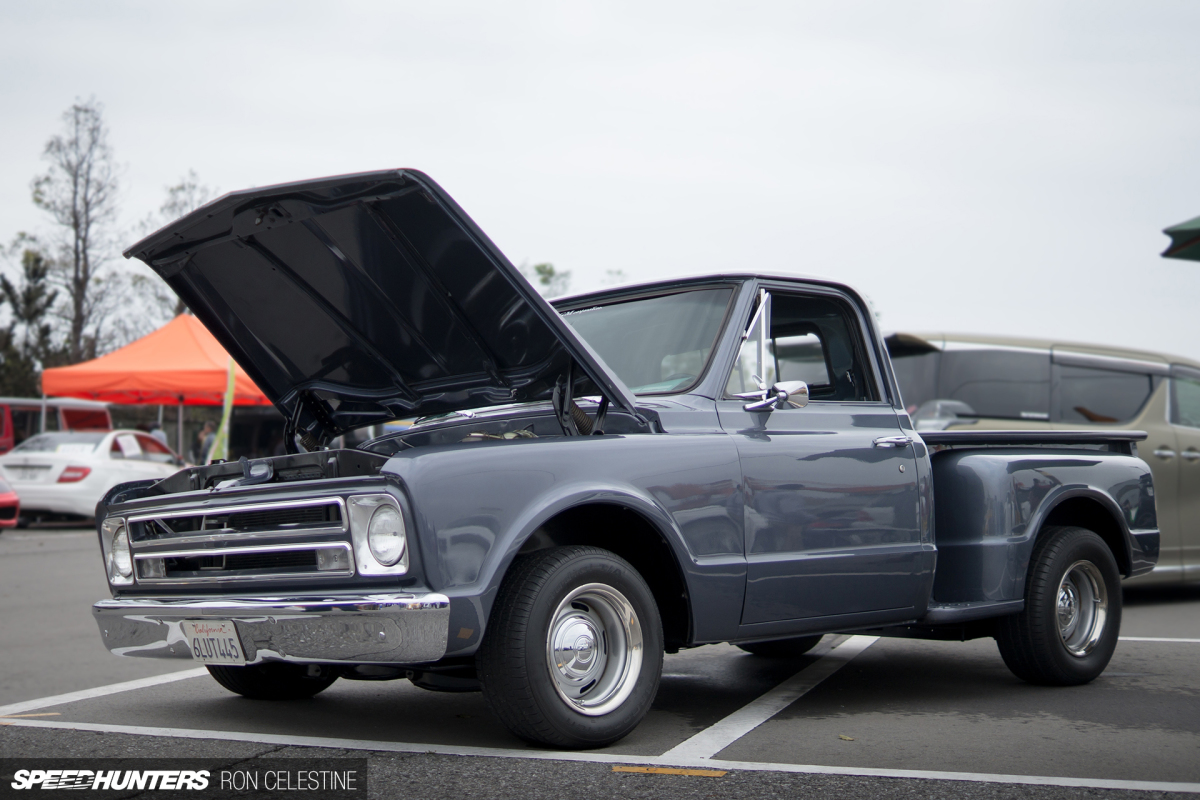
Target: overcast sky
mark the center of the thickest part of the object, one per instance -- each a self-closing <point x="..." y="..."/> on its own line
<point x="1001" y="167"/>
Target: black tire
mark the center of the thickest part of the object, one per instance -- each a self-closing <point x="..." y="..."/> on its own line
<point x="1040" y="646"/>
<point x="275" y="680"/>
<point x="782" y="648"/>
<point x="529" y="692"/>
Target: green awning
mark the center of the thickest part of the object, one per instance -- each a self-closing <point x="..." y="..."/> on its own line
<point x="1185" y="240"/>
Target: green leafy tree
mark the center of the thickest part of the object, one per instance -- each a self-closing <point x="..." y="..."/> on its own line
<point x="550" y="282"/>
<point x="27" y="344"/>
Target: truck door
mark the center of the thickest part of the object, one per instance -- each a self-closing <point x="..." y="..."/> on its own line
<point x="831" y="494"/>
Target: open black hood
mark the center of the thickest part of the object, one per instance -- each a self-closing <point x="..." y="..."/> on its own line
<point x="357" y="299"/>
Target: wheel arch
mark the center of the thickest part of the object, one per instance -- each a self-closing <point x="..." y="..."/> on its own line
<point x="623" y="529"/>
<point x="1094" y="510"/>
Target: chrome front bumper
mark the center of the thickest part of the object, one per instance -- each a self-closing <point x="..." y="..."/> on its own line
<point x="363" y="629"/>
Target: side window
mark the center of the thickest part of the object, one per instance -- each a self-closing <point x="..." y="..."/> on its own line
<point x="1100" y="395"/>
<point x="800" y="358"/>
<point x="814" y="339"/>
<point x="1005" y="384"/>
<point x="154" y="450"/>
<point x="28" y="422"/>
<point x="1185" y="408"/>
<point x="125" y="445"/>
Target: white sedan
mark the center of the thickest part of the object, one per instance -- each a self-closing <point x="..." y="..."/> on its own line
<point x="67" y="473"/>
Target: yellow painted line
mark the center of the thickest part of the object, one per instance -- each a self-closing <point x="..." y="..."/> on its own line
<point x="700" y="773"/>
<point x="43" y="714"/>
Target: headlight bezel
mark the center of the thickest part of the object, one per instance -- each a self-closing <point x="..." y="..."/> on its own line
<point x="362" y="509"/>
<point x="110" y="529"/>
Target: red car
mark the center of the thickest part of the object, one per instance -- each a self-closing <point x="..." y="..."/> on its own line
<point x="10" y="505"/>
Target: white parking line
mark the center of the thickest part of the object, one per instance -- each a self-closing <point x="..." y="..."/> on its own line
<point x="606" y="758"/>
<point x="1157" y="639"/>
<point x="99" y="691"/>
<point x="715" y="738"/>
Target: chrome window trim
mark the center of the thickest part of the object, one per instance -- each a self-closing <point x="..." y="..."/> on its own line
<point x="950" y="345"/>
<point x="1069" y="358"/>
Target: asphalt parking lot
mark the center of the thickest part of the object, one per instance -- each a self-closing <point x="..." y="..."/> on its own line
<point x="857" y="716"/>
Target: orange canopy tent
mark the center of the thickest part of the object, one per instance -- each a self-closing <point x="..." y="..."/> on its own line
<point x="180" y="363"/>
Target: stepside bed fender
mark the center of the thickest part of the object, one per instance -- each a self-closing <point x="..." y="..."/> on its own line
<point x="991" y="504"/>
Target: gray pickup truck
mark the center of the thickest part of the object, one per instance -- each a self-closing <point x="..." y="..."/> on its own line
<point x="586" y="485"/>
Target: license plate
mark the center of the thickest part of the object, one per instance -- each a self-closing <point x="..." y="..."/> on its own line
<point x="214" y="641"/>
<point x="27" y="473"/>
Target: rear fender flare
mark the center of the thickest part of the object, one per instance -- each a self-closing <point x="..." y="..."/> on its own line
<point x="1056" y="498"/>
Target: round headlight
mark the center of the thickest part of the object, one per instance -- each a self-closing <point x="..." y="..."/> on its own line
<point x="385" y="534"/>
<point x="121" y="557"/>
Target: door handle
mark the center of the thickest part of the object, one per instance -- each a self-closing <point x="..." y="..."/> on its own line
<point x="1191" y="454"/>
<point x="893" y="441"/>
<point x="1164" y="453"/>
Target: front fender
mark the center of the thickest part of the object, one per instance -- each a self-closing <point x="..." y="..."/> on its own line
<point x="475" y="505"/>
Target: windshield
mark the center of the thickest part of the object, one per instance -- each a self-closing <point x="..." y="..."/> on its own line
<point x="80" y="443"/>
<point x="655" y="345"/>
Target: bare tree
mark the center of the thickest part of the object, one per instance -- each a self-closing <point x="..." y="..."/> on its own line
<point x="181" y="199"/>
<point x="79" y="191"/>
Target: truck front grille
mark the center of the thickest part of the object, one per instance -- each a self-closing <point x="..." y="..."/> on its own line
<point x="249" y="541"/>
<point x="244" y="563"/>
<point x="284" y="516"/>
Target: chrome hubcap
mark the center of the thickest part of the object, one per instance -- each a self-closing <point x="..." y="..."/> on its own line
<point x="594" y="649"/>
<point x="1081" y="608"/>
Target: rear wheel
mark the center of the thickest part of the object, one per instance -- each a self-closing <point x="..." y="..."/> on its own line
<point x="573" y="650"/>
<point x="275" y="680"/>
<point x="1068" y="630"/>
<point x="782" y="648"/>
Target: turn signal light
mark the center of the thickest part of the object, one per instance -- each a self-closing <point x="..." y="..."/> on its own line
<point x="73" y="474"/>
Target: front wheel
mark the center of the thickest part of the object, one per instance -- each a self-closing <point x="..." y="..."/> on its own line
<point x="1068" y="630"/>
<point x="573" y="650"/>
<point x="275" y="680"/>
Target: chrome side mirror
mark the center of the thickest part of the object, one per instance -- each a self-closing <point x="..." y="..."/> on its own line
<point x="785" y="393"/>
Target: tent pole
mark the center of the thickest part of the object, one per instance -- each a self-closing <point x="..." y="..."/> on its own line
<point x="179" y="452"/>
